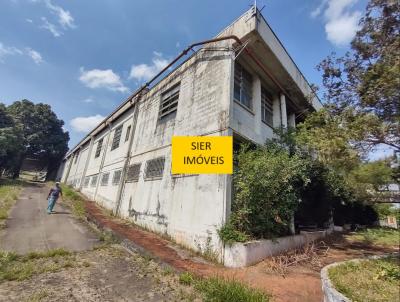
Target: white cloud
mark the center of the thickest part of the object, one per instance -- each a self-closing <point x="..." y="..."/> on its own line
<point x="97" y="78"/>
<point x="35" y="56"/>
<point x="86" y="123"/>
<point x="64" y="17"/>
<point x="11" y="50"/>
<point x="50" y="27"/>
<point x="29" y="20"/>
<point x="88" y="100"/>
<point x="341" y="24"/>
<point x="144" y="72"/>
<point x="8" y="51"/>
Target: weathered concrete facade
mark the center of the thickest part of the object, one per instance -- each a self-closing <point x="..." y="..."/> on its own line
<point x="124" y="164"/>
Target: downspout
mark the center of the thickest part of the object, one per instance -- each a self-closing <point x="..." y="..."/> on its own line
<point x="121" y="185"/>
<point x="102" y="162"/>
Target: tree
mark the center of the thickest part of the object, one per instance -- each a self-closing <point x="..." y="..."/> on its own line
<point x="10" y="140"/>
<point x="42" y="135"/>
<point x="363" y="86"/>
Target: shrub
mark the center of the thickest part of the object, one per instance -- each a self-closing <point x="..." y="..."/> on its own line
<point x="267" y="186"/>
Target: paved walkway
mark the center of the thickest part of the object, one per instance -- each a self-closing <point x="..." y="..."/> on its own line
<point x="30" y="228"/>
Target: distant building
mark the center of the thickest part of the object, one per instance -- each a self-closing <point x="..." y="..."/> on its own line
<point x="227" y="88"/>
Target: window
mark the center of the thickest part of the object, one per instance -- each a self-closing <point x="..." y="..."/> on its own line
<point x="117" y="137"/>
<point x="133" y="172"/>
<point x="266" y="107"/>
<point x="94" y="180"/>
<point x="104" y="179"/>
<point x="116" y="177"/>
<point x="155" y="167"/>
<point x="169" y="101"/>
<point x="242" y="86"/>
<point x="86" y="182"/>
<point x="98" y="148"/>
<point x="128" y="131"/>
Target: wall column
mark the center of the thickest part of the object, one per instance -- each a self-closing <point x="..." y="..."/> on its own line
<point x="284" y="120"/>
<point x="87" y="162"/>
<point x="292" y="120"/>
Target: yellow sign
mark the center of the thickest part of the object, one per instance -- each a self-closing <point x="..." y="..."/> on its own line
<point x="202" y="155"/>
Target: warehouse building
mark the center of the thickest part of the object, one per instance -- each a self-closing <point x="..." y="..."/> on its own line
<point x="242" y="83"/>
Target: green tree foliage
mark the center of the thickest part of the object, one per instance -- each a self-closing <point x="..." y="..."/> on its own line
<point x="40" y="133"/>
<point x="10" y="140"/>
<point x="267" y="182"/>
<point x="362" y="87"/>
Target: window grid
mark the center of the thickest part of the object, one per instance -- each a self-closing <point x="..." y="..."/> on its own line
<point x="116" y="177"/>
<point x="86" y="182"/>
<point x="169" y="101"/>
<point x="155" y="167"/>
<point x="98" y="148"/>
<point x="93" y="183"/>
<point x="266" y="107"/>
<point x="133" y="173"/>
<point x="104" y="179"/>
<point x="243" y="86"/>
<point x="117" y="137"/>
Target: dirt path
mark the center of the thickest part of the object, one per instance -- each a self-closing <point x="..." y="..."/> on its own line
<point x="30" y="228"/>
<point x="106" y="274"/>
<point x="301" y="283"/>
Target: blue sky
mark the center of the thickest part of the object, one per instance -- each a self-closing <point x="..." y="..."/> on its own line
<point x="85" y="57"/>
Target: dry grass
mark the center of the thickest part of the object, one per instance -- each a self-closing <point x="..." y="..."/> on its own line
<point x="368" y="280"/>
<point x="311" y="254"/>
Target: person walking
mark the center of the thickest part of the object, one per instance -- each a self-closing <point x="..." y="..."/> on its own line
<point x="54" y="193"/>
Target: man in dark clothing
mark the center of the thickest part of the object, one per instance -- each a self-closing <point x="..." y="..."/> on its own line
<point x="54" y="193"/>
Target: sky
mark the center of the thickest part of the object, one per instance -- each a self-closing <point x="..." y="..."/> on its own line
<point x="86" y="57"/>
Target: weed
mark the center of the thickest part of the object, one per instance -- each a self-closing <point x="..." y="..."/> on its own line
<point x="186" y="278"/>
<point x="230" y="235"/>
<point x="16" y="267"/>
<point x="38" y="296"/>
<point x="368" y="280"/>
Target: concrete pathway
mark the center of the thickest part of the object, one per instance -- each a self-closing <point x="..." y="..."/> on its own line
<point x="30" y="228"/>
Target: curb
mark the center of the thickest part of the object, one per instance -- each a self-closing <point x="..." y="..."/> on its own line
<point x="328" y="289"/>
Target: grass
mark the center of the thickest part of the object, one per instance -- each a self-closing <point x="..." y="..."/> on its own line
<point x="21" y="267"/>
<point x="9" y="191"/>
<point x="220" y="290"/>
<point x="75" y="200"/>
<point x="368" y="280"/>
<point x="377" y="236"/>
<point x="38" y="296"/>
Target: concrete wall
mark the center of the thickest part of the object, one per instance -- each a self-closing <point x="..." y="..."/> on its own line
<point x="249" y="253"/>
<point x="167" y="204"/>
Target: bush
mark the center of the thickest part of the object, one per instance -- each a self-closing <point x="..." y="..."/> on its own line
<point x="230" y="235"/>
<point x="267" y="186"/>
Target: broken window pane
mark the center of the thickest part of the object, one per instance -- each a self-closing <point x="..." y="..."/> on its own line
<point x="133" y="172"/>
<point x="117" y="137"/>
<point x="155" y="167"/>
<point x="169" y="101"/>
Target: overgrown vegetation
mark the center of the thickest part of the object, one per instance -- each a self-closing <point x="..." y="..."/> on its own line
<point x="368" y="280"/>
<point x="30" y="130"/>
<point x="320" y="170"/>
<point x="377" y="236"/>
<point x="216" y="289"/>
<point x="18" y="267"/>
<point x="9" y="191"/>
<point x="74" y="200"/>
